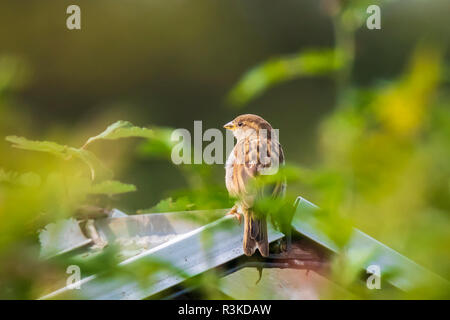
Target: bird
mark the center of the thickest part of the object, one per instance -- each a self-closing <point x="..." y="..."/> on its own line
<point x="257" y="152"/>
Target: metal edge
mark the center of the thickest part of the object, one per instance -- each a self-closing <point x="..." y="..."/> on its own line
<point x="408" y="275"/>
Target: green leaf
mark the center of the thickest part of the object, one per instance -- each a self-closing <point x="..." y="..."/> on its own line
<point x="121" y="129"/>
<point x="160" y="146"/>
<point x="28" y="179"/>
<point x="111" y="187"/>
<point x="64" y="152"/>
<point x="96" y="167"/>
<point x="277" y="70"/>
<point x="42" y="146"/>
<point x="14" y="72"/>
<point x="168" y="205"/>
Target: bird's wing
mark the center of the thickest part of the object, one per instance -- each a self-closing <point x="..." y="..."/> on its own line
<point x="244" y="169"/>
<point x="252" y="158"/>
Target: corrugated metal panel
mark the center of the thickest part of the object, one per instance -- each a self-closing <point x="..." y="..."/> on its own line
<point x="187" y="252"/>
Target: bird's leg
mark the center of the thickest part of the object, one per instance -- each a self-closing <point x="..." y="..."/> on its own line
<point x="234" y="212"/>
<point x="92" y="233"/>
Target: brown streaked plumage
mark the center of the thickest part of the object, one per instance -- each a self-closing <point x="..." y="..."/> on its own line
<point x="257" y="149"/>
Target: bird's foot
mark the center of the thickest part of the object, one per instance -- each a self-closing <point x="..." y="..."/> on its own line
<point x="92" y="233"/>
<point x="234" y="212"/>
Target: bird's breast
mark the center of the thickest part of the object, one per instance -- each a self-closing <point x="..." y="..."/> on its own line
<point x="229" y="168"/>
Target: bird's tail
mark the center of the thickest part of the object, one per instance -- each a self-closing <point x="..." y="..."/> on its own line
<point x="255" y="234"/>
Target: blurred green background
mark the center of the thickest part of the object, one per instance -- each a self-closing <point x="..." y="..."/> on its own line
<point x="363" y="114"/>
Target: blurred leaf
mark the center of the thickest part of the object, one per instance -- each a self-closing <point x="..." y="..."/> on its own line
<point x="98" y="170"/>
<point x="160" y="145"/>
<point x="168" y="205"/>
<point x="401" y="107"/>
<point x="347" y="267"/>
<point x="42" y="146"/>
<point x="208" y="196"/>
<point x="62" y="151"/>
<point x="111" y="187"/>
<point x="29" y="179"/>
<point x="277" y="70"/>
<point x="288" y="173"/>
<point x="353" y="14"/>
<point x="14" y="72"/>
<point x="121" y="129"/>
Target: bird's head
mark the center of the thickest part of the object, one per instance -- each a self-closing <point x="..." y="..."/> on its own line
<point x="248" y="125"/>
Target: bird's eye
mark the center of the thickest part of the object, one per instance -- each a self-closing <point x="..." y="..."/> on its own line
<point x="240" y="124"/>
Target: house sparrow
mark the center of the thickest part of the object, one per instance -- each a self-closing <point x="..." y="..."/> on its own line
<point x="256" y="152"/>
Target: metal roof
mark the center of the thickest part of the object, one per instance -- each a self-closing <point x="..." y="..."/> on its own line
<point x="405" y="274"/>
<point x="185" y="251"/>
<point x="179" y="240"/>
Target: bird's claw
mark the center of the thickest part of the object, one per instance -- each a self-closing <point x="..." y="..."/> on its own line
<point x="260" y="270"/>
<point x="234" y="212"/>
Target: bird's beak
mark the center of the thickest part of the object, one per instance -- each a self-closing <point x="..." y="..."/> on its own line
<point x="230" y="125"/>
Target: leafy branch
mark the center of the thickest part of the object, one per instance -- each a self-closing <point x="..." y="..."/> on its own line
<point x="282" y="69"/>
<point x="61" y="151"/>
<point x="28" y="179"/>
<point x="121" y="129"/>
<point x="111" y="187"/>
<point x="117" y="130"/>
